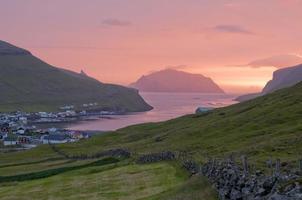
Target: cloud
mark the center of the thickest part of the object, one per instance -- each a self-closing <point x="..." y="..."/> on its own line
<point x="176" y="67"/>
<point x="232" y="4"/>
<point x="73" y="47"/>
<point x="277" y="61"/>
<point x="115" y="22"/>
<point x="232" y="29"/>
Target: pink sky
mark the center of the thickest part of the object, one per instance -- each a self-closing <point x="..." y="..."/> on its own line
<point x="119" y="40"/>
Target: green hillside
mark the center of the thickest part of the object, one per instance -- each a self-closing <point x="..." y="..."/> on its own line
<point x="263" y="128"/>
<point x="269" y="126"/>
<point x="29" y="84"/>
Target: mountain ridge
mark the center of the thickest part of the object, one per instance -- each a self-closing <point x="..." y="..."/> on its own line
<point x="30" y="84"/>
<point x="9" y="49"/>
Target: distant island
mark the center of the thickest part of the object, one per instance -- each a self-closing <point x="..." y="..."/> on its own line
<point x="282" y="78"/>
<point x="170" y="80"/>
<point x="31" y="85"/>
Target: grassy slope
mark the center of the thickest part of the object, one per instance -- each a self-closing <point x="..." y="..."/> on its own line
<point x="196" y="188"/>
<point x="122" y="180"/>
<point x="29" y="84"/>
<point x="268" y="126"/>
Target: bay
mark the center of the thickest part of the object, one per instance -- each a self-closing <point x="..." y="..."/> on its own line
<point x="166" y="106"/>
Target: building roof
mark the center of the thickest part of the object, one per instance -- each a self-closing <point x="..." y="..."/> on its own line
<point x="55" y="137"/>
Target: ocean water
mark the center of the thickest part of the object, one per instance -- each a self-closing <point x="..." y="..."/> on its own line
<point x="166" y="106"/>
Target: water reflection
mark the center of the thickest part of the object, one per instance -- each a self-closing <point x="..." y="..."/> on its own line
<point x="166" y="106"/>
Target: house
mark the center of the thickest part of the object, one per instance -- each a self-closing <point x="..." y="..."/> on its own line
<point x="23" y="120"/>
<point x="70" y="113"/>
<point x="23" y="140"/>
<point x="3" y="135"/>
<point x="13" y="124"/>
<point x="79" y="135"/>
<point x="10" y="140"/>
<point x="84" y="112"/>
<point x="54" y="139"/>
<point x="52" y="130"/>
<point x="4" y="127"/>
<point x="21" y="131"/>
<point x="68" y="107"/>
<point x="201" y="110"/>
<point x="32" y="143"/>
<point x="43" y="114"/>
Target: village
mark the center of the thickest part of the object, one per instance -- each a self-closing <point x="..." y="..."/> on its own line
<point x="19" y="131"/>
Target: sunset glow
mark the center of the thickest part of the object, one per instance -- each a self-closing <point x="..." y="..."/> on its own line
<point x="151" y="99"/>
<point x="118" y="41"/>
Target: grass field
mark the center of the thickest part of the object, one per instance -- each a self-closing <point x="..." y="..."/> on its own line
<point x="106" y="180"/>
<point x="264" y="128"/>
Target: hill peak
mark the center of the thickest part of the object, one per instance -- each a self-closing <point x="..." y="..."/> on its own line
<point x="174" y="71"/>
<point x="32" y="85"/>
<point x="9" y="49"/>
<point x="170" y="80"/>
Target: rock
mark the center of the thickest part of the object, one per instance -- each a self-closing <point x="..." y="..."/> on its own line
<point x="232" y="183"/>
<point x="156" y="157"/>
<point x="235" y="195"/>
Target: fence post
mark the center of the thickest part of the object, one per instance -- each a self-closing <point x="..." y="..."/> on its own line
<point x="232" y="159"/>
<point x="277" y="169"/>
<point x="270" y="166"/>
<point x="245" y="165"/>
<point x="212" y="165"/>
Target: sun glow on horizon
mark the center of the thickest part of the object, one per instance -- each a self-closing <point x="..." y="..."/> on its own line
<point x="118" y="43"/>
<point x="237" y="79"/>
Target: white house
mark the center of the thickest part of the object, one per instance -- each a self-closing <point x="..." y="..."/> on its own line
<point x="23" y="120"/>
<point x="201" y="110"/>
<point x="10" y="140"/>
<point x="52" y="130"/>
<point x="20" y="131"/>
<point x="54" y="139"/>
<point x="3" y="136"/>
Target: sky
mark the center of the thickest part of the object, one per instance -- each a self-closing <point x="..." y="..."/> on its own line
<point x="117" y="41"/>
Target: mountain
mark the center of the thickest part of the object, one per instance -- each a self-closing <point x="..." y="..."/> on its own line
<point x="29" y="84"/>
<point x="170" y="80"/>
<point x="278" y="61"/>
<point x="282" y="78"/>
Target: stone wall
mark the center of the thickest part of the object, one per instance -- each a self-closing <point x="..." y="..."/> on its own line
<point x="117" y="153"/>
<point x="156" y="157"/>
<point x="235" y="182"/>
<point x="231" y="180"/>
